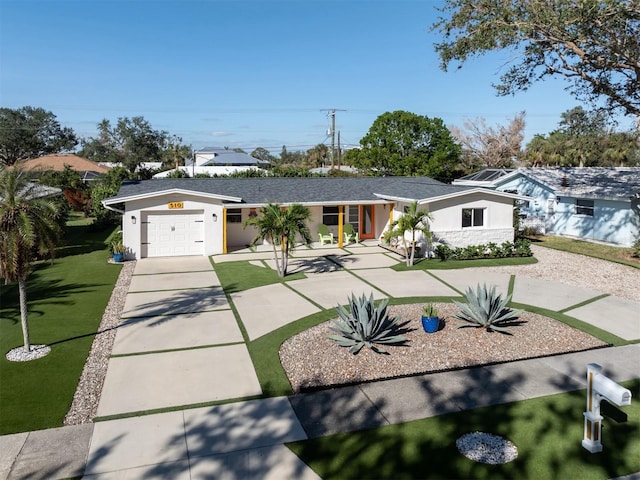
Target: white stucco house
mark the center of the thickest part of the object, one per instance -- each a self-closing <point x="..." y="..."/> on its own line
<point x="590" y="203"/>
<point x="174" y="217"/>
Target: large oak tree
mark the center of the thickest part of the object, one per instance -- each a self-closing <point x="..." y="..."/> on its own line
<point x="405" y="143"/>
<point x="593" y="44"/>
<point x="31" y="132"/>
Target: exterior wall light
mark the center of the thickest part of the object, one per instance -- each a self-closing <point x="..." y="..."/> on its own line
<point x="133" y="219"/>
<point x="215" y="217"/>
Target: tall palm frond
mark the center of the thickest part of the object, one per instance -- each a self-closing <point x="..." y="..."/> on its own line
<point x="28" y="228"/>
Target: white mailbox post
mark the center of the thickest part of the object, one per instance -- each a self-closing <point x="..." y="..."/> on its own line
<point x="599" y="387"/>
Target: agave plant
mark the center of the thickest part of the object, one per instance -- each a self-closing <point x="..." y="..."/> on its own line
<point x="366" y="325"/>
<point x="486" y="308"/>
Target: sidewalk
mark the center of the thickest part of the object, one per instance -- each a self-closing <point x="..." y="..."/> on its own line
<point x="179" y="344"/>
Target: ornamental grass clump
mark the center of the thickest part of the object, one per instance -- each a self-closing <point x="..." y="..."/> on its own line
<point x="487" y="309"/>
<point x="366" y="325"/>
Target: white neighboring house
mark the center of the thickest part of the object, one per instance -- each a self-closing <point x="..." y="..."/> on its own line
<point x="590" y="203"/>
<point x="217" y="161"/>
<point x="206" y="216"/>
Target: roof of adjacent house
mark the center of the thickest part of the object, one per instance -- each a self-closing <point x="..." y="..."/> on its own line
<point x="57" y="161"/>
<point x="222" y="156"/>
<point x="616" y="183"/>
<point x="306" y="190"/>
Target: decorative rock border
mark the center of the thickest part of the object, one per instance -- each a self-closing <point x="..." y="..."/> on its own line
<point x="487" y="448"/>
<point x="19" y="354"/>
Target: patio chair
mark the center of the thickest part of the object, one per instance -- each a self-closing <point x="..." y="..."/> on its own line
<point x="350" y="234"/>
<point x="324" y="234"/>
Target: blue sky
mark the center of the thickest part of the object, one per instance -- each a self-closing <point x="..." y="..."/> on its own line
<point x="249" y="73"/>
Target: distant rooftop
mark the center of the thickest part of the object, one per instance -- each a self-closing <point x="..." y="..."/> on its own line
<point x="589" y="182"/>
<point x="222" y="156"/>
<point x="486" y="175"/>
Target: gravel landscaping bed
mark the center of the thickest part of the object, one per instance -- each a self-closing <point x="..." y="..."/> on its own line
<point x="580" y="271"/>
<point x="311" y="360"/>
<point x="87" y="395"/>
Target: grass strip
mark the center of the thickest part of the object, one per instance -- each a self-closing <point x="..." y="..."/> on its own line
<point x="610" y="253"/>
<point x="177" y="408"/>
<point x="547" y="432"/>
<point x="586" y="302"/>
<point x="436" y="264"/>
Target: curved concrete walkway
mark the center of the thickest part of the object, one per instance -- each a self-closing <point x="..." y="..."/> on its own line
<point x="180" y="345"/>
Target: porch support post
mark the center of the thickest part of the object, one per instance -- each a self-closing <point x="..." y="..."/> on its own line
<point x="224" y="230"/>
<point x="340" y="225"/>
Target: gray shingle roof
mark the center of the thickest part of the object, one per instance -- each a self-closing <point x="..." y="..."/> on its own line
<point x="288" y="190"/>
<point x="617" y="183"/>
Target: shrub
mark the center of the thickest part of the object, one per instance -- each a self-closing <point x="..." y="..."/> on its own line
<point x="443" y="252"/>
<point x="486" y="309"/>
<point x="636" y="248"/>
<point x="366" y="325"/>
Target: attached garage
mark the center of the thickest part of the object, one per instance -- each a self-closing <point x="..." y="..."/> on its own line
<point x="168" y="234"/>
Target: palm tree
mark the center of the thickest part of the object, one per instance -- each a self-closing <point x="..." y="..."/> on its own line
<point x="280" y="227"/>
<point x="28" y="228"/>
<point x="413" y="221"/>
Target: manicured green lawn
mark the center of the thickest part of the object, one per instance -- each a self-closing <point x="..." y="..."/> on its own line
<point x="547" y="432"/>
<point x="66" y="301"/>
<point x="597" y="250"/>
<point x="243" y="275"/>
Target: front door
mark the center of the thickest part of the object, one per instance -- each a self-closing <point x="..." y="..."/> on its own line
<point x="367" y="222"/>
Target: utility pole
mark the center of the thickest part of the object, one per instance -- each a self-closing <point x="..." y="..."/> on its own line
<point x="331" y="112"/>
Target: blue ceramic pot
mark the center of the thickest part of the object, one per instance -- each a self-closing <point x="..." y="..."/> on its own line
<point x="118" y="257"/>
<point x="430" y="324"/>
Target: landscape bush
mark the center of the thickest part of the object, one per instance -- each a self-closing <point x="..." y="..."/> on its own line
<point x="519" y="248"/>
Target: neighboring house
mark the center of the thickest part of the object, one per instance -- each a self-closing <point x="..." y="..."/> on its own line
<point x="591" y="203"/>
<point x="221" y="157"/>
<point x="205" y="216"/>
<point x="87" y="169"/>
<point x="217" y="161"/>
<point x="193" y="170"/>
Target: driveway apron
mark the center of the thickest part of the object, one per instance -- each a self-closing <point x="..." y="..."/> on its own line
<point x="178" y="342"/>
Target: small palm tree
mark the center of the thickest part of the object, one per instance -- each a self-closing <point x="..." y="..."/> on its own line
<point x="413" y="221"/>
<point x="280" y="227"/>
<point x="28" y="228"/>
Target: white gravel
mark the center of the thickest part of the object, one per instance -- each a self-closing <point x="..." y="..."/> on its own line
<point x="580" y="271"/>
<point x="20" y="354"/>
<point x="486" y="448"/>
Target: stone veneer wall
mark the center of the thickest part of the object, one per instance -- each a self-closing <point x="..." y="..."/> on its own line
<point x="473" y="236"/>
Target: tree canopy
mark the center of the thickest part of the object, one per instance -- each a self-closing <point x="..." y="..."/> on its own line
<point x="584" y="138"/>
<point x="130" y="142"/>
<point x="30" y="132"/>
<point x="404" y="143"/>
<point x="593" y="44"/>
<point x="484" y="146"/>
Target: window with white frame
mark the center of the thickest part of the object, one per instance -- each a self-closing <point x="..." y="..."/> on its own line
<point x="234" y="215"/>
<point x="330" y="215"/>
<point x="584" y="207"/>
<point x="472" y="217"/>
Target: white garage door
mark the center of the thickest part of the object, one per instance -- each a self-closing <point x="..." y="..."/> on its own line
<point x="172" y="234"/>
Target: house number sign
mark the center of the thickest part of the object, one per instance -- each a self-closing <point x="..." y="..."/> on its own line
<point x="174" y="205"/>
